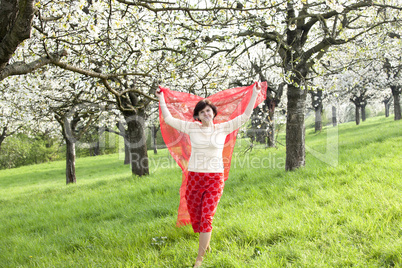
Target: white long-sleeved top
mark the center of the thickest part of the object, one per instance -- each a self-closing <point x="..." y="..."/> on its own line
<point x="207" y="142"/>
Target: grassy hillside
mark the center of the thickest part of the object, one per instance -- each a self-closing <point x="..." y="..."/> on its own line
<point x="341" y="214"/>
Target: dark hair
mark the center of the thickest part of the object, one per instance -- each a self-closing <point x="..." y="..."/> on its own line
<point x="201" y="105"/>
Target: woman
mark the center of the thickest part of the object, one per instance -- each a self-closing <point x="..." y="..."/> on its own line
<point x="205" y="180"/>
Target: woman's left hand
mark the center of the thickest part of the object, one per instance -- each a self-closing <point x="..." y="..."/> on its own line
<point x="257" y="87"/>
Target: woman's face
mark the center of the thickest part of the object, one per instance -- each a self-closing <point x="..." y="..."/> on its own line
<point x="206" y="114"/>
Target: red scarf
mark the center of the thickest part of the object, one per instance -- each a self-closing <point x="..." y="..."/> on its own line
<point x="230" y="104"/>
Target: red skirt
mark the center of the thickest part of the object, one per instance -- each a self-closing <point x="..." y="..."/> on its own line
<point x="204" y="190"/>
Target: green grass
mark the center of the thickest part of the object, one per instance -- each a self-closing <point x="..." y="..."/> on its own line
<point x="348" y="215"/>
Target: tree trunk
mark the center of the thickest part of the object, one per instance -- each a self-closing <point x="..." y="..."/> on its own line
<point x="3" y="136"/>
<point x="386" y="104"/>
<point x="70" y="161"/>
<point x="137" y="145"/>
<point x="357" y="115"/>
<point x="127" y="160"/>
<point x="67" y="130"/>
<point x="153" y="133"/>
<point x="123" y="133"/>
<point x="316" y="99"/>
<point x="96" y="149"/>
<point x="363" y="108"/>
<point x="396" y="93"/>
<point x="15" y="26"/>
<point x="295" y="132"/>
<point x="318" y="118"/>
<point x="271" y="128"/>
<point x="397" y="107"/>
<point x="334" y="122"/>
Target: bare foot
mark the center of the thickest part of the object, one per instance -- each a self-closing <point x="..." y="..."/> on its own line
<point x="198" y="263"/>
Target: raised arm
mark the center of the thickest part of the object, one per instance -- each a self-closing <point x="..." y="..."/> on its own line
<point x="178" y="124"/>
<point x="250" y="106"/>
<point x="237" y="122"/>
<point x="162" y="104"/>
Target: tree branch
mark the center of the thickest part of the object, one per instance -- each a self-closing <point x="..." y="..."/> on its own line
<point x="19" y="68"/>
<point x="137" y="91"/>
<point x="146" y="5"/>
<point x="90" y="73"/>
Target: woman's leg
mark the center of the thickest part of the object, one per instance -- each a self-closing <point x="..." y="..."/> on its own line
<point x="205" y="238"/>
<point x="210" y="196"/>
<point x="193" y="198"/>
